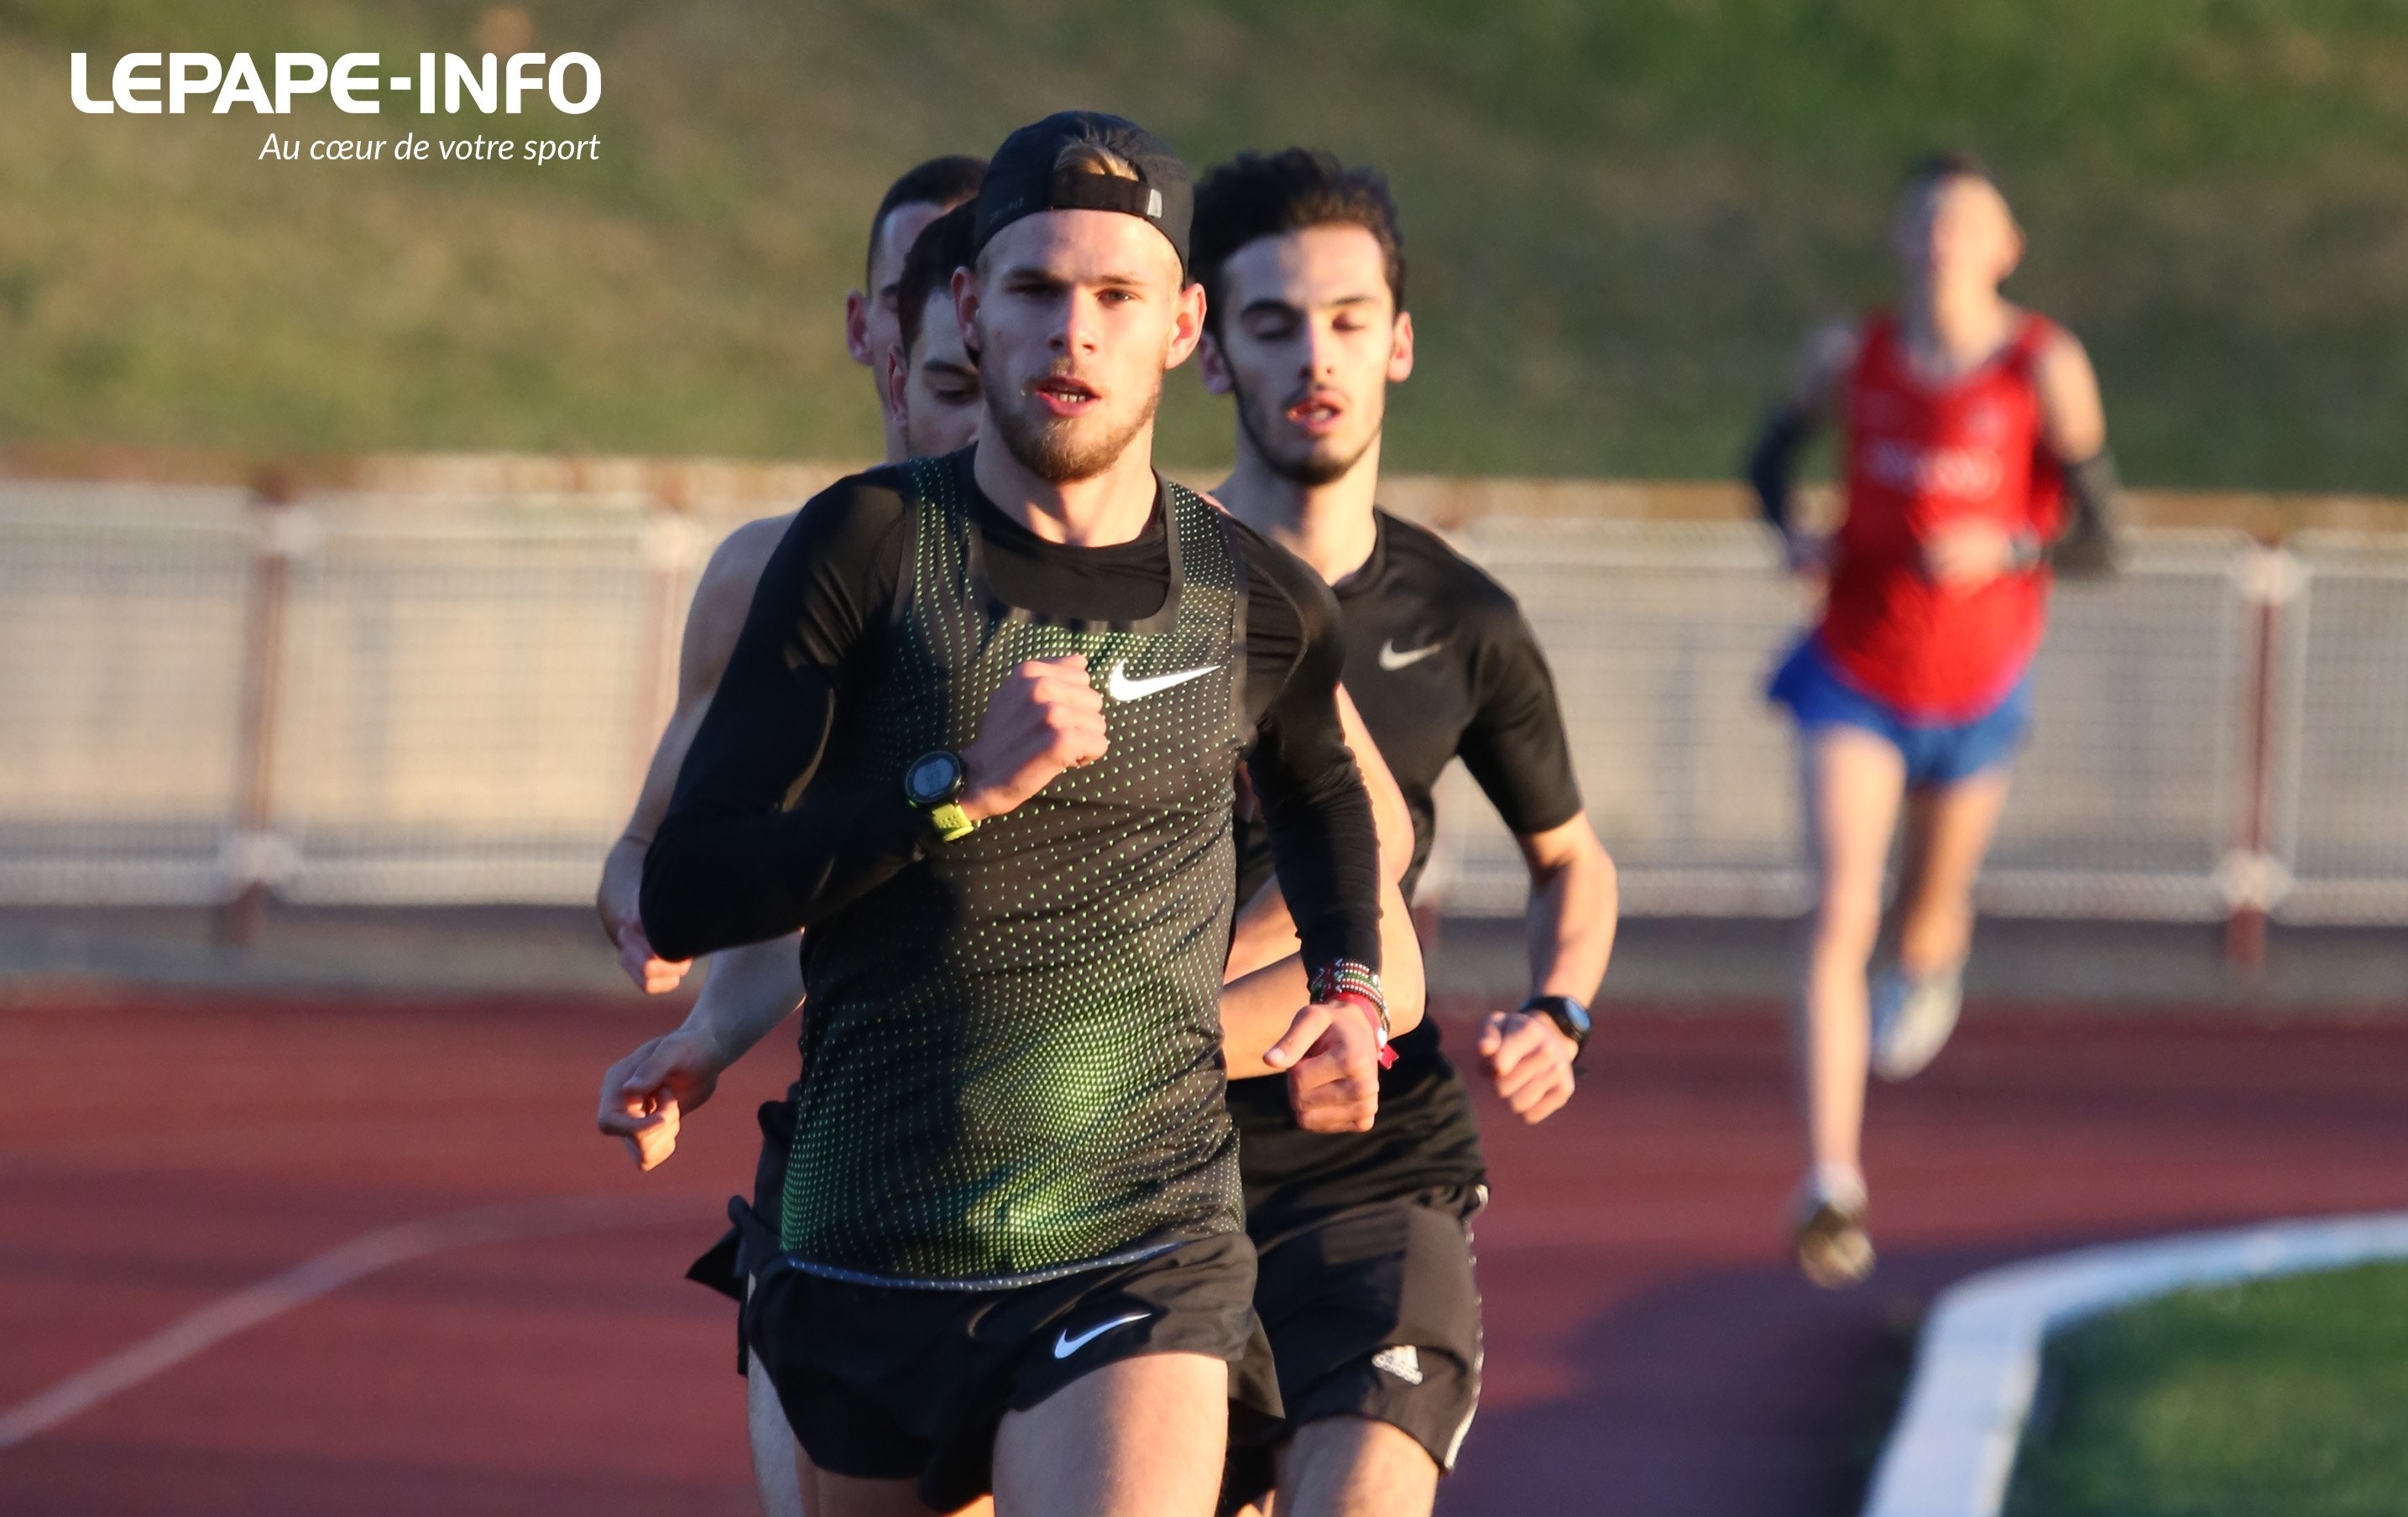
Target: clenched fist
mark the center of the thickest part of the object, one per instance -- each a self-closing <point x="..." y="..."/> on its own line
<point x="1043" y="719"/>
<point x="1332" y="1058"/>
<point x="645" y="1094"/>
<point x="1963" y="556"/>
<point x="650" y="972"/>
<point x="1530" y="1060"/>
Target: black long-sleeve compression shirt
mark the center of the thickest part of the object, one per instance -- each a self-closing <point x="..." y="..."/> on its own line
<point x="756" y="844"/>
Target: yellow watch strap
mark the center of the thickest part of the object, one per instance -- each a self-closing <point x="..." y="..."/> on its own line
<point x="950" y="820"/>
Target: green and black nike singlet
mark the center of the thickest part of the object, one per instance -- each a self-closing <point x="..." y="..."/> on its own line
<point x="1013" y="1062"/>
<point x="1011" y="1053"/>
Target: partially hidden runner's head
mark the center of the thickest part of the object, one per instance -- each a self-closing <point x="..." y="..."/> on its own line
<point x="932" y="381"/>
<point x="1303" y="265"/>
<point x="924" y="194"/>
<point x="1953" y="228"/>
<point x="1077" y="300"/>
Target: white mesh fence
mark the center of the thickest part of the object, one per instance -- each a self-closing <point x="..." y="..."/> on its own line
<point x="2339" y="826"/>
<point x="465" y="689"/>
<point x="121" y="690"/>
<point x="471" y="692"/>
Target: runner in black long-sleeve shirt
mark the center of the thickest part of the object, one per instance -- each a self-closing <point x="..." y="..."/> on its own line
<point x="1010" y="1133"/>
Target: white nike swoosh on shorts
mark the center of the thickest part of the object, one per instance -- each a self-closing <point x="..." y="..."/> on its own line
<point x="1065" y="1345"/>
<point x="1122" y="688"/>
<point x="1391" y="661"/>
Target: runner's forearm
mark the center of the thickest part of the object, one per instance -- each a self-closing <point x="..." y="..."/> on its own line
<point x="1324" y="845"/>
<point x="1263" y="933"/>
<point x="619" y="898"/>
<point x="2089" y="544"/>
<point x="751" y="990"/>
<point x="1574" y="904"/>
<point x="1773" y="460"/>
<point x="1257" y="1006"/>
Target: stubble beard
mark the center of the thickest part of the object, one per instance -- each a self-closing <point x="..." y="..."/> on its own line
<point x="1062" y="449"/>
<point x="1312" y="468"/>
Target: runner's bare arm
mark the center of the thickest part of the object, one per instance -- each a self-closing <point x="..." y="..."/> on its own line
<point x="2073" y="425"/>
<point x="712" y="626"/>
<point x="1264" y="931"/>
<point x="750" y="991"/>
<point x="2073" y="419"/>
<point x="1575" y="900"/>
<point x="1574" y="904"/>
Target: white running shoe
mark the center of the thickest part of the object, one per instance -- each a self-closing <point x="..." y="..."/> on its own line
<point x="1913" y="1016"/>
<point x="1834" y="1250"/>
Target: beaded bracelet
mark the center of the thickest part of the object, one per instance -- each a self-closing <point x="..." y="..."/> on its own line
<point x="1346" y="980"/>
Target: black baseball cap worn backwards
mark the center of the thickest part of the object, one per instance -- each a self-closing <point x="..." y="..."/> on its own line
<point x="1022" y="179"/>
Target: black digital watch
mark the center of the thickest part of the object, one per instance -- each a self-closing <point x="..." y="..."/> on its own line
<point x="1570" y="1018"/>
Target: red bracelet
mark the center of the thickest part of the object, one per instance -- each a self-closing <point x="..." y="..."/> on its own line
<point x="1376" y="1014"/>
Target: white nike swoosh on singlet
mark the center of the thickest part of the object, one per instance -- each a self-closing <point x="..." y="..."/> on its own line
<point x="1065" y="1345"/>
<point x="1123" y="688"/>
<point x="1391" y="661"/>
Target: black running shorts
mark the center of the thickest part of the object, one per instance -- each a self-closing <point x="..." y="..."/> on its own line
<point x="895" y="1382"/>
<point x="1372" y="1312"/>
<point x="728" y="1265"/>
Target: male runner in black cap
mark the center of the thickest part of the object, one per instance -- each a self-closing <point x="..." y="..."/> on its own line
<point x="933" y="393"/>
<point x="977" y="738"/>
<point x="1366" y="1264"/>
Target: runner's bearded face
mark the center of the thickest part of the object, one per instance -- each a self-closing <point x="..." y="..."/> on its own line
<point x="1078" y="314"/>
<point x="1309" y="344"/>
<point x="1955" y="232"/>
<point x="940" y="385"/>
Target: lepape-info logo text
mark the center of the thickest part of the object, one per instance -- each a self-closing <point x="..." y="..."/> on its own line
<point x="173" y="84"/>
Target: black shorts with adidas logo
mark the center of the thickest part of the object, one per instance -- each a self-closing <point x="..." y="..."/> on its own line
<point x="1375" y="1314"/>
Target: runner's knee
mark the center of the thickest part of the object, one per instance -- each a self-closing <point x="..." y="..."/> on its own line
<point x="1353" y="1466"/>
<point x="1847" y="923"/>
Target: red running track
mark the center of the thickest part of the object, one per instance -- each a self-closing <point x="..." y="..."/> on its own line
<point x="1649" y="1353"/>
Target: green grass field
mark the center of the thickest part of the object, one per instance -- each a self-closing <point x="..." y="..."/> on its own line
<point x="1621" y="216"/>
<point x="2285" y="1396"/>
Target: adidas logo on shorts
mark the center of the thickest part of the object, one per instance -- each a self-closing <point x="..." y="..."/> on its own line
<point x="1404" y="1361"/>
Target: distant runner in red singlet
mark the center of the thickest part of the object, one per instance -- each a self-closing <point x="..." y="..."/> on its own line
<point x="1974" y="453"/>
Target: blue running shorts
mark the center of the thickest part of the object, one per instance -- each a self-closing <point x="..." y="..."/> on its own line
<point x="1936" y="753"/>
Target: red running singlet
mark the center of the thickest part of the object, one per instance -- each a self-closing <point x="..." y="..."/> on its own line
<point x="1920" y="457"/>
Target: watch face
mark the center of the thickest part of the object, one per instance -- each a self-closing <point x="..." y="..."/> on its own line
<point x="1567" y="1015"/>
<point x="931" y="780"/>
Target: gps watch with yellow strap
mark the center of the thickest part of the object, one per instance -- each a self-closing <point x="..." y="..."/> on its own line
<point x="933" y="783"/>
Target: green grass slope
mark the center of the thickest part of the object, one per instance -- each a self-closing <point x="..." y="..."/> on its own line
<point x="2286" y="1396"/>
<point x="1620" y="215"/>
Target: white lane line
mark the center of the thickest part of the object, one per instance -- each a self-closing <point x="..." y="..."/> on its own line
<point x="1953" y="1452"/>
<point x="322" y="1275"/>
